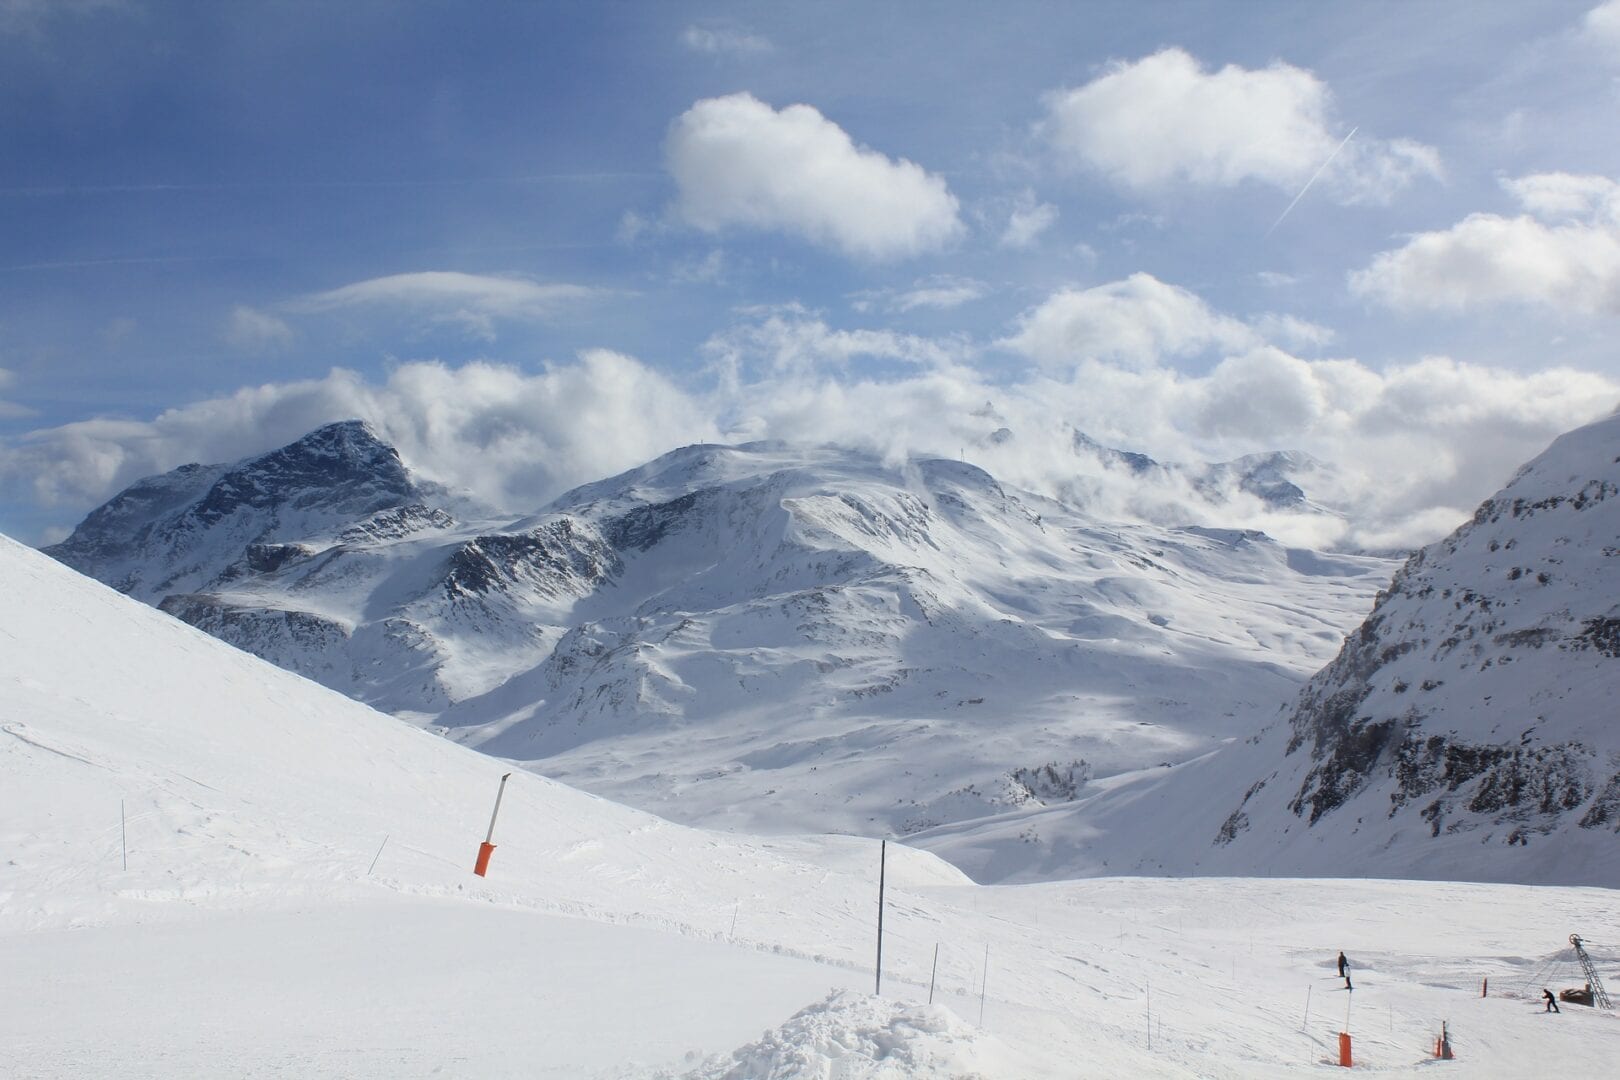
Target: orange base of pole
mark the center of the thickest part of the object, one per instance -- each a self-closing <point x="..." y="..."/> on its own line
<point x="482" y="865"/>
<point x="1442" y="1050"/>
<point x="1344" y="1049"/>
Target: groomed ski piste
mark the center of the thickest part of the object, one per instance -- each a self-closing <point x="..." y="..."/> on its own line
<point x="212" y="868"/>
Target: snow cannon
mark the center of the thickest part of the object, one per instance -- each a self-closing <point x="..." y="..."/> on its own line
<point x="487" y="848"/>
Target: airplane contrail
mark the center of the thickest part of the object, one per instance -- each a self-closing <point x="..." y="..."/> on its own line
<point x="1320" y="169"/>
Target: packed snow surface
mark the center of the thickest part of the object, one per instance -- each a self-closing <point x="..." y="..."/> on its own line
<point x="298" y="901"/>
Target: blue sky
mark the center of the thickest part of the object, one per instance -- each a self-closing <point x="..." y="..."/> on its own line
<point x="542" y="242"/>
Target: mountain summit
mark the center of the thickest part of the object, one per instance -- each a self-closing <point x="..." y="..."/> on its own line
<point x="182" y="529"/>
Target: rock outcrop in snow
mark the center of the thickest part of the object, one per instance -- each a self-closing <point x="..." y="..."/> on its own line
<point x="1475" y="704"/>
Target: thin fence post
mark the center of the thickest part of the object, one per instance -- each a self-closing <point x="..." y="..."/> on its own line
<point x="933" y="973"/>
<point x="123" y="834"/>
<point x="734" y="913"/>
<point x="883" y="862"/>
<point x="1150" y="1015"/>
<point x="1305" y="1024"/>
<point x="377" y="856"/>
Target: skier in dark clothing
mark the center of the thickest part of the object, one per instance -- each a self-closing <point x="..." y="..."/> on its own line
<point x="1343" y="963"/>
<point x="1552" y="1002"/>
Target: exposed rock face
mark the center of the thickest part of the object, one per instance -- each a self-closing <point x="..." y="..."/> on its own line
<point x="1476" y="700"/>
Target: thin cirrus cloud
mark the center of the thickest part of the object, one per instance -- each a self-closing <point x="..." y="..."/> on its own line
<point x="1163" y="120"/>
<point x="1562" y="253"/>
<point x="739" y="163"/>
<point x="939" y="292"/>
<point x="724" y="41"/>
<point x="473" y="302"/>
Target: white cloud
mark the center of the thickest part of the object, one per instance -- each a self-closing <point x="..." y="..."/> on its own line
<point x="1563" y="253"/>
<point x="1137" y="321"/>
<point x="1163" y="120"/>
<point x="708" y="270"/>
<point x="10" y="410"/>
<point x="475" y="302"/>
<point x="1416" y="445"/>
<point x="252" y="330"/>
<point x="738" y="162"/>
<point x="940" y="291"/>
<point x="1027" y="221"/>
<point x="793" y="341"/>
<point x="513" y="437"/>
<point x="1292" y="331"/>
<point x="716" y="41"/>
<point x="1602" y="25"/>
<point x="1561" y="195"/>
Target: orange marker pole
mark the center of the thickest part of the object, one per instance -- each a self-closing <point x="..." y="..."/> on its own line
<point x="488" y="847"/>
<point x="1344" y="1049"/>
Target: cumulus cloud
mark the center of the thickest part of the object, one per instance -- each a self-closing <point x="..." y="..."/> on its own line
<point x="475" y="302"/>
<point x="738" y="162"/>
<point x="1562" y="253"/>
<point x="1414" y="446"/>
<point x="717" y="41"/>
<point x="1138" y="321"/>
<point x="1164" y="119"/>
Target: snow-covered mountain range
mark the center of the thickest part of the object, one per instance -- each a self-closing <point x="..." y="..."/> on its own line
<point x="1466" y="729"/>
<point x="759" y="636"/>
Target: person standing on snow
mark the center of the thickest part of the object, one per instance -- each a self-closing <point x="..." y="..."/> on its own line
<point x="1552" y="1002"/>
<point x="1343" y="963"/>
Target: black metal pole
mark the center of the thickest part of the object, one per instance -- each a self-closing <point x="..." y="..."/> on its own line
<point x="883" y="861"/>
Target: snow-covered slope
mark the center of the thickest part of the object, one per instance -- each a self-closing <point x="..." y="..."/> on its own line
<point x="1465" y="730"/>
<point x="298" y="901"/>
<point x="763" y="636"/>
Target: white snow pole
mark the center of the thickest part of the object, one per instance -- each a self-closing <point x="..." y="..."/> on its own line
<point x="488" y="846"/>
<point x="123" y="834"/>
<point x="883" y="862"/>
<point x="933" y="973"/>
<point x="1306" y="1023"/>
<point x="1150" y="1015"/>
<point x="735" y="911"/>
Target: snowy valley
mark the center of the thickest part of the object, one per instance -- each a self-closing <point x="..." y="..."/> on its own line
<point x="760" y="637"/>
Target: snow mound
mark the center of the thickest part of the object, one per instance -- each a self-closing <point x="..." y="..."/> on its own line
<point x="852" y="1035"/>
